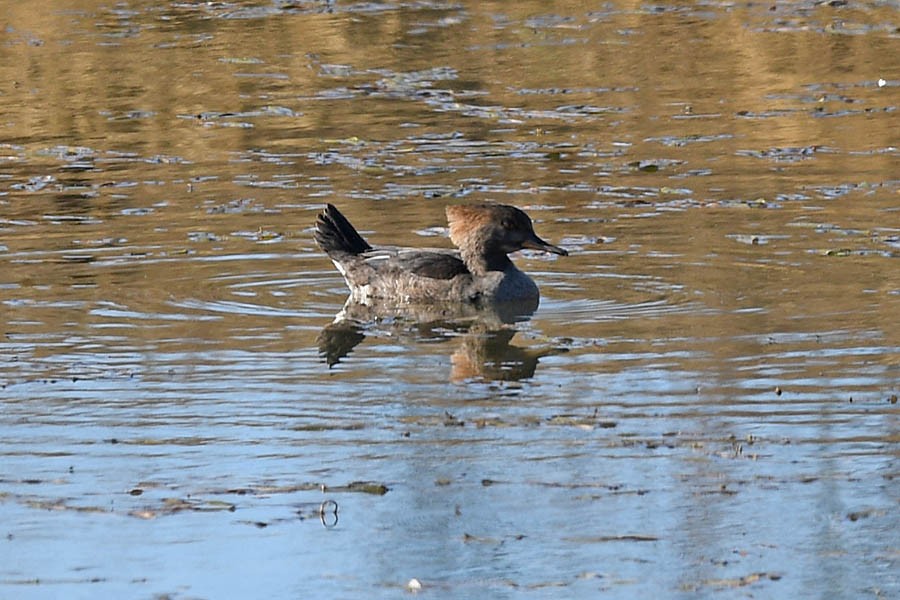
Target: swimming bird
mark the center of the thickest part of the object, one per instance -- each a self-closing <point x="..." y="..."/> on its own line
<point x="479" y="271"/>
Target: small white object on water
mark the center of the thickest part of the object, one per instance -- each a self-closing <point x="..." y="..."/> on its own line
<point x="882" y="83"/>
<point x="414" y="585"/>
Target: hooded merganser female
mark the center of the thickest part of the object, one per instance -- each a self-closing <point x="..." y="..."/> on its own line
<point x="479" y="272"/>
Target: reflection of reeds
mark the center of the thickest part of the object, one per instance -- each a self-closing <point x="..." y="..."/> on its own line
<point x="92" y="85"/>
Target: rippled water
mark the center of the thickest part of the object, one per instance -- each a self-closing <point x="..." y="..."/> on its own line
<point x="704" y="404"/>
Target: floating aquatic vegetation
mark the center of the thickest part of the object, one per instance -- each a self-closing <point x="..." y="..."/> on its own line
<point x="34" y="184"/>
<point x="683" y="140"/>
<point x="788" y="154"/>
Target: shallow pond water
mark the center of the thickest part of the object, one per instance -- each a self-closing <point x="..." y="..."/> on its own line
<point x="704" y="405"/>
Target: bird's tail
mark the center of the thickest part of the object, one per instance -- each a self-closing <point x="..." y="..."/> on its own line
<point x="335" y="234"/>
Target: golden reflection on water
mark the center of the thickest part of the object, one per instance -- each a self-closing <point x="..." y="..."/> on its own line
<point x="706" y="388"/>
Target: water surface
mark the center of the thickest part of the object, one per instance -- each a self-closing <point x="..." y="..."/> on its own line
<point x="704" y="405"/>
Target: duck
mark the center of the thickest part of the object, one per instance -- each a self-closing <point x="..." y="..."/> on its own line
<point x="479" y="271"/>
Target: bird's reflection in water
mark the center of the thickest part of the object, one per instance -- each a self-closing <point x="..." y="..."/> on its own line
<point x="482" y="335"/>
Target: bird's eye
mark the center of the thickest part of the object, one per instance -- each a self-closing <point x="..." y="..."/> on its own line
<point x="507" y="224"/>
